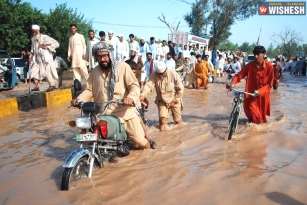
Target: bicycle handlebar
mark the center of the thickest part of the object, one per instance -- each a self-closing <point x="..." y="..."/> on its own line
<point x="240" y="91"/>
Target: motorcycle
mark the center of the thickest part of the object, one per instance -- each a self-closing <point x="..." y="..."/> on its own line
<point x="102" y="137"/>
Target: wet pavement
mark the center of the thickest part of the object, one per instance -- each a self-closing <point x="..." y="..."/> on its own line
<point x="193" y="164"/>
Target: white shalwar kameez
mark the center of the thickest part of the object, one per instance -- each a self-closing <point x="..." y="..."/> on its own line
<point x="42" y="65"/>
<point x="89" y="56"/>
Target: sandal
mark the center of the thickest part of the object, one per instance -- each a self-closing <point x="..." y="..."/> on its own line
<point x="50" y="89"/>
<point x="35" y="89"/>
<point x="153" y="145"/>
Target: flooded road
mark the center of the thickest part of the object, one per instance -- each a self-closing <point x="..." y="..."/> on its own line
<point x="263" y="164"/>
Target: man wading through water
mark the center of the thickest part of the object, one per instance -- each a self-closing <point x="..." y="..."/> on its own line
<point x="115" y="80"/>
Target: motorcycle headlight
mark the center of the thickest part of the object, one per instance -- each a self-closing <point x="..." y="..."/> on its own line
<point x="83" y="122"/>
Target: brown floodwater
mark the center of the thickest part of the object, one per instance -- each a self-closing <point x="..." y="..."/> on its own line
<point x="193" y="164"/>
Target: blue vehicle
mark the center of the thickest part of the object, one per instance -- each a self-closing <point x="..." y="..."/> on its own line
<point x="9" y="78"/>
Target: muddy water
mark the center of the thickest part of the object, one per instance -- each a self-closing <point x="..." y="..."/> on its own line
<point x="193" y="164"/>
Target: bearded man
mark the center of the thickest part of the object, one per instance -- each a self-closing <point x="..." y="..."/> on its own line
<point x="42" y="65"/>
<point x="113" y="80"/>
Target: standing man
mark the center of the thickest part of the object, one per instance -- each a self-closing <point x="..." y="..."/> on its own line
<point x="171" y="48"/>
<point x="169" y="91"/>
<point x="201" y="72"/>
<point x="60" y="66"/>
<point x="113" y="80"/>
<point x="211" y="71"/>
<point x="164" y="48"/>
<point x="277" y="74"/>
<point x="186" y="52"/>
<point x="144" y="49"/>
<point x="148" y="69"/>
<point x="103" y="38"/>
<point x="153" y="48"/>
<point x="133" y="45"/>
<point x="236" y="65"/>
<point x="198" y="50"/>
<point x="214" y="55"/>
<point x="259" y="80"/>
<point x="25" y="57"/>
<point x="89" y="45"/>
<point x="42" y="61"/>
<point x="170" y="63"/>
<point x="220" y="65"/>
<point x="76" y="53"/>
<point x="114" y="41"/>
<point x="123" y="49"/>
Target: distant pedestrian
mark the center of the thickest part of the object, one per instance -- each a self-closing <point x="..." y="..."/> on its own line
<point x="277" y="74"/>
<point x="122" y="49"/>
<point x="153" y="48"/>
<point x="25" y="57"/>
<point x="133" y="44"/>
<point x="89" y="45"/>
<point x="114" y="41"/>
<point x="76" y="53"/>
<point x="144" y="49"/>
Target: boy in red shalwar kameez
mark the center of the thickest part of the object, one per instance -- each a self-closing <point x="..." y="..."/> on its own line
<point x="259" y="80"/>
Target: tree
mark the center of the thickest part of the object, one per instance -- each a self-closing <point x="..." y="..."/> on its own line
<point x="287" y="41"/>
<point x="271" y="51"/>
<point x="15" y="27"/>
<point x="246" y="47"/>
<point x="59" y="20"/>
<point x="172" y="26"/>
<point x="227" y="45"/>
<point x="221" y="15"/>
<point x="196" y="18"/>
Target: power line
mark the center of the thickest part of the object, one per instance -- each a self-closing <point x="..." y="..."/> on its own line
<point x="134" y="25"/>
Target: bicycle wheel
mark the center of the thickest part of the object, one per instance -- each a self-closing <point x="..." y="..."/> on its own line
<point x="233" y="124"/>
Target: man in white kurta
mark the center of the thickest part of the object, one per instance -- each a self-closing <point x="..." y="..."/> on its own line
<point x="144" y="49"/>
<point x="76" y="53"/>
<point x="114" y="41"/>
<point x="42" y="65"/>
<point x="122" y="49"/>
<point x="89" y="45"/>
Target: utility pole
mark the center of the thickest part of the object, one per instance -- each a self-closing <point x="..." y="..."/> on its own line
<point x="260" y="32"/>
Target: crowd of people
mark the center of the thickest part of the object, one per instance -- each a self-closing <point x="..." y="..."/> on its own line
<point x="117" y="69"/>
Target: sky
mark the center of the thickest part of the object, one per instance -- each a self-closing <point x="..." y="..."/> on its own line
<point x="140" y="17"/>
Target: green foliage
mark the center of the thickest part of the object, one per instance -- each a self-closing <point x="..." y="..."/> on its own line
<point x="219" y="15"/>
<point x="271" y="51"/>
<point x="227" y="45"/>
<point x="17" y="19"/>
<point x="197" y="19"/>
<point x="246" y="47"/>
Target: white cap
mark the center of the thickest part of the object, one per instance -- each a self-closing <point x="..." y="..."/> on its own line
<point x="160" y="67"/>
<point x="35" y="27"/>
<point x="142" y="38"/>
<point x="110" y="31"/>
<point x="120" y="35"/>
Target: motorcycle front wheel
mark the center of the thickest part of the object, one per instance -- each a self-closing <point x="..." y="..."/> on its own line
<point x="73" y="174"/>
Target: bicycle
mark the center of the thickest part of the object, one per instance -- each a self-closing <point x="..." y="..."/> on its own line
<point x="236" y="111"/>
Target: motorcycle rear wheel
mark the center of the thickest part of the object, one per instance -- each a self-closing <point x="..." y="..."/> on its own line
<point x="73" y="174"/>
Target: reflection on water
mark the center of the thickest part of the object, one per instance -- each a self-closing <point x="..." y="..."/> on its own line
<point x="192" y="165"/>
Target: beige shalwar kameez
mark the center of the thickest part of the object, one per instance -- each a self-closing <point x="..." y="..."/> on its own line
<point x="126" y="85"/>
<point x="42" y="65"/>
<point x="168" y="88"/>
<point x="89" y="57"/>
<point x="77" y="48"/>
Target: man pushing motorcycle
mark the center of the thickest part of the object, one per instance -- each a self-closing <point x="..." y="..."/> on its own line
<point x="109" y="80"/>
